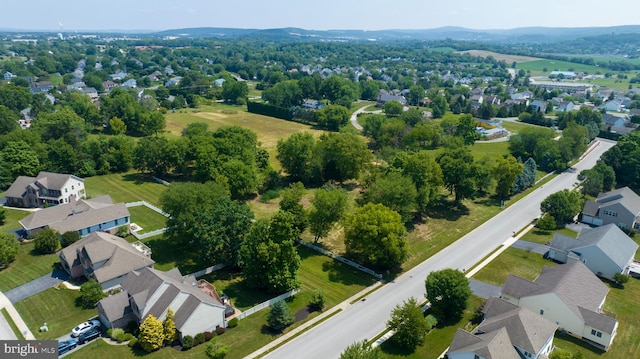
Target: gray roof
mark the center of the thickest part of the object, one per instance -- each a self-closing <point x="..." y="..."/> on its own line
<point x="55" y="181"/>
<point x="625" y="196"/>
<point x="19" y="186"/>
<point x="76" y="215"/>
<point x="572" y="283"/>
<point x="609" y="239"/>
<point x="527" y="330"/>
<point x="115" y="306"/>
<point x="120" y="256"/>
<point x="166" y="286"/>
<point x="591" y="208"/>
<point x="492" y="345"/>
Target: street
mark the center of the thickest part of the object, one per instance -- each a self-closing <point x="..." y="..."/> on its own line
<point x="365" y="319"/>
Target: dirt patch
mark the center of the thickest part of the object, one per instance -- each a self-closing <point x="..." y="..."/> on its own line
<point x="500" y="57"/>
<point x="302" y="314"/>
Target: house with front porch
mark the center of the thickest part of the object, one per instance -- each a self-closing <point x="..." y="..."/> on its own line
<point x="46" y="189"/>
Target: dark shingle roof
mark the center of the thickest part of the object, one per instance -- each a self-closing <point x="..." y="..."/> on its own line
<point x="115" y="307"/>
<point x="493" y="345"/>
<point x="625" y="196"/>
<point x="19" y="186"/>
<point x="591" y="208"/>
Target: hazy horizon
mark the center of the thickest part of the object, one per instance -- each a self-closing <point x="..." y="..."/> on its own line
<point x="158" y="15"/>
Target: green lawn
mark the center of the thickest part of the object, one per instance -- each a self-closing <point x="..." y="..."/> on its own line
<point x="57" y="308"/>
<point x="537" y="235"/>
<point x="26" y="267"/>
<point x="147" y="218"/>
<point x="494" y="150"/>
<point x="127" y="187"/>
<point x="11" y="221"/>
<point x="438" y="340"/>
<point x="520" y="262"/>
<point x="538" y="66"/>
<point x="170" y="252"/>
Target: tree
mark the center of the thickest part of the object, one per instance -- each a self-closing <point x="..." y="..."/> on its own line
<point x="216" y="350"/>
<point x="340" y="157"/>
<point x="396" y="192"/>
<point x="8" y="120"/>
<point x="8" y="249"/>
<point x="46" y="241"/>
<point x="438" y="106"/>
<point x="295" y="154"/>
<point x="290" y="202"/>
<point x="151" y="335"/>
<point x="361" y="350"/>
<point x="392" y="108"/>
<point x="528" y="176"/>
<point x="333" y="117"/>
<point x="117" y="126"/>
<point x="563" y="354"/>
<point x="426" y="174"/>
<point x="409" y="324"/>
<point x="18" y="159"/>
<point x="3" y="215"/>
<point x="547" y="222"/>
<point x="69" y="238"/>
<point x="280" y="316"/>
<point x="466" y="129"/>
<point x="416" y="94"/>
<point x="169" y="327"/>
<point x="221" y="229"/>
<point x="329" y="207"/>
<point x="562" y="205"/>
<point x="505" y="171"/>
<point x="234" y="91"/>
<point x="91" y="293"/>
<point x="317" y="300"/>
<point x="448" y="291"/>
<point x="283" y="94"/>
<point x="241" y="177"/>
<point x="376" y="236"/>
<point x="458" y="172"/>
<point x="268" y="257"/>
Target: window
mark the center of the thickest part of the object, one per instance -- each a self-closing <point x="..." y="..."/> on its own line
<point x="71" y="186"/>
<point x="541" y="311"/>
<point x="475" y="356"/>
<point x="596" y="333"/>
<point x="66" y="190"/>
<point x="610" y="213"/>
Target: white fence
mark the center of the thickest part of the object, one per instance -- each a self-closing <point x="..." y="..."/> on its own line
<point x="339" y="258"/>
<point x="208" y="270"/>
<point x="161" y="181"/>
<point x="148" y="205"/>
<point x="148" y="234"/>
<point x="268" y="303"/>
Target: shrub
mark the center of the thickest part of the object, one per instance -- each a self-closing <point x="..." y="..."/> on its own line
<point x="316" y="302"/>
<point x="187" y="342"/>
<point x="200" y="338"/>
<point x="126" y="337"/>
<point x="115" y="333"/>
<point x="132" y="342"/>
<point x="620" y="278"/>
<point x="207" y="336"/>
<point x="220" y="330"/>
<point x="280" y="316"/>
<point x="232" y="323"/>
<point x="269" y="195"/>
<point x="132" y="327"/>
<point x="122" y="337"/>
<point x="109" y="331"/>
<point x="432" y="321"/>
<point x="547" y="222"/>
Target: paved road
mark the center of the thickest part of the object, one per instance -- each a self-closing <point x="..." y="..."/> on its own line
<point x="484" y="290"/>
<point x="354" y="118"/>
<point x="531" y="246"/>
<point x="367" y="318"/>
<point x="5" y="330"/>
<point x="36" y="286"/>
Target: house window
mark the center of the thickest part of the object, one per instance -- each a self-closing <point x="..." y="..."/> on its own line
<point x="71" y="186"/>
<point x="622" y="226"/>
<point x="596" y="333"/>
<point x="66" y="190"/>
<point x="475" y="356"/>
<point x="610" y="213"/>
<point x="541" y="311"/>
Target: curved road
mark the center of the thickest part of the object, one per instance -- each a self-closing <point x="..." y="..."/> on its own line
<point x="364" y="320"/>
<point x="354" y="118"/>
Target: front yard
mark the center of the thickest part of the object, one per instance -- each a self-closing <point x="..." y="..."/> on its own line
<point x="520" y="262"/>
<point x="27" y="266"/>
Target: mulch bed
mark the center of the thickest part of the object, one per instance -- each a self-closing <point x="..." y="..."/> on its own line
<point x="303" y="313"/>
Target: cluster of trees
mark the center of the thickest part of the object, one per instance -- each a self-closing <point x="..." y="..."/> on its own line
<point x="154" y="334"/>
<point x="622" y="158"/>
<point x="560" y="207"/>
<point x="600" y="178"/>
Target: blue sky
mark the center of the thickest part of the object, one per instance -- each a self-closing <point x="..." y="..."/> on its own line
<point x="73" y="15"/>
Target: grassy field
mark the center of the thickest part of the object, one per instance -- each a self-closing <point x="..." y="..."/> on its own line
<point x="438" y="340"/>
<point x="147" y="218"/>
<point x="537" y="67"/>
<point x="491" y="149"/>
<point x="125" y="187"/>
<point x="11" y="221"/>
<point x="509" y="59"/>
<point x="613" y="82"/>
<point x="520" y="262"/>
<point x="27" y="266"/>
<point x="537" y="235"/>
<point x="57" y="308"/>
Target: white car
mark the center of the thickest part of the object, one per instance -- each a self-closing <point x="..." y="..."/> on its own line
<point x="86" y="326"/>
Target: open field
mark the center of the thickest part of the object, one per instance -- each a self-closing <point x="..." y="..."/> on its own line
<point x="525" y="264"/>
<point x="438" y="339"/>
<point x="27" y="266"/>
<point x="543" y="237"/>
<point x="57" y="308"/>
<point x="509" y="59"/>
<point x="537" y="67"/>
<point x="125" y="187"/>
<point x="481" y="150"/>
<point x="147" y="218"/>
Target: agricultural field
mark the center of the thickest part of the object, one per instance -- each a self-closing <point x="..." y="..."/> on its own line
<point x="537" y="67"/>
<point x="509" y="59"/>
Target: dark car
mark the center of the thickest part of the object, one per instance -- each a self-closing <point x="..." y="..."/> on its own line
<point x="66" y="345"/>
<point x="88" y="336"/>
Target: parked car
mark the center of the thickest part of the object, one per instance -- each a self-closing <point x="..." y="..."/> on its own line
<point x="89" y="335"/>
<point x="84" y="327"/>
<point x="66" y="345"/>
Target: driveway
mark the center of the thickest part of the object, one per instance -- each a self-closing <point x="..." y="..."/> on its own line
<point x="36" y="286"/>
<point x="484" y="290"/>
<point x="531" y="246"/>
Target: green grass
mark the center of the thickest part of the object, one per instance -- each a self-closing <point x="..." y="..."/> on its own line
<point x="519" y="262"/>
<point x="537" y="235"/>
<point x="127" y="187"/>
<point x="538" y="66"/>
<point x="170" y="252"/>
<point x="147" y="218"/>
<point x="493" y="150"/>
<point x="438" y="339"/>
<point x="514" y="127"/>
<point x="12" y="324"/>
<point x="57" y="308"/>
<point x="27" y="266"/>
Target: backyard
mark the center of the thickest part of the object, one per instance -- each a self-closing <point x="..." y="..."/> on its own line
<point x="125" y="187"/>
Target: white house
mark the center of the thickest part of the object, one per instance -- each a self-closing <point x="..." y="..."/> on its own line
<point x="569" y="295"/>
<point x="47" y="188"/>
<point x="604" y="250"/>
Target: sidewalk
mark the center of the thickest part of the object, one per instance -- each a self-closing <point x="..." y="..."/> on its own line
<point x="13" y="313"/>
<point x="345" y="304"/>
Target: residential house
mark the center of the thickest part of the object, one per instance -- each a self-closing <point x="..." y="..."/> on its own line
<point x="385" y="96"/>
<point x="569" y="295"/>
<point x="109" y="85"/>
<point x="219" y="82"/>
<point x="614" y="105"/>
<point x="494" y="100"/>
<point x="620" y="207"/>
<point x="565" y="106"/>
<point x="605" y="250"/>
<point x="312" y="104"/>
<point x="119" y="75"/>
<point x="539" y="105"/>
<point x="524" y="95"/>
<point x="130" y="83"/>
<point x="173" y="81"/>
<point x="155" y="76"/>
<point x="78" y="85"/>
<point x="616" y="123"/>
<point x="168" y="70"/>
<point x="8" y="76"/>
<point x="41" y="87"/>
<point x="508" y="332"/>
<point x="152" y="292"/>
<point x="47" y="188"/>
<point x="84" y="216"/>
<point x="91" y="92"/>
<point x="105" y="258"/>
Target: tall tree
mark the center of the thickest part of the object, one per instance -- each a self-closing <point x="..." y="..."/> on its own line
<point x="361" y="350"/>
<point x="438" y="105"/>
<point x="284" y="94"/>
<point x="280" y="316"/>
<point x="46" y="241"/>
<point x="397" y="192"/>
<point x="416" y="94"/>
<point x="426" y="174"/>
<point x="333" y="117"/>
<point x="392" y="108"/>
<point x="528" y="176"/>
<point x="91" y="293"/>
<point x="290" y="202"/>
<point x="8" y="248"/>
<point x="458" y="172"/>
<point x="169" y="327"/>
<point x="409" y="324"/>
<point x="376" y="236"/>
<point x="466" y="129"/>
<point x="562" y="205"/>
<point x="340" y="156"/>
<point x="329" y="207"/>
<point x="295" y="154"/>
<point x="18" y="159"/>
<point x="448" y="291"/>
<point x="8" y="120"/>
<point x="505" y="171"/>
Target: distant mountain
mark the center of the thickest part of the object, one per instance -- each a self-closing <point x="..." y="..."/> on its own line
<point x="519" y="35"/>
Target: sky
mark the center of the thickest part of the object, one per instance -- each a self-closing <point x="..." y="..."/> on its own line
<point x="76" y="15"/>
